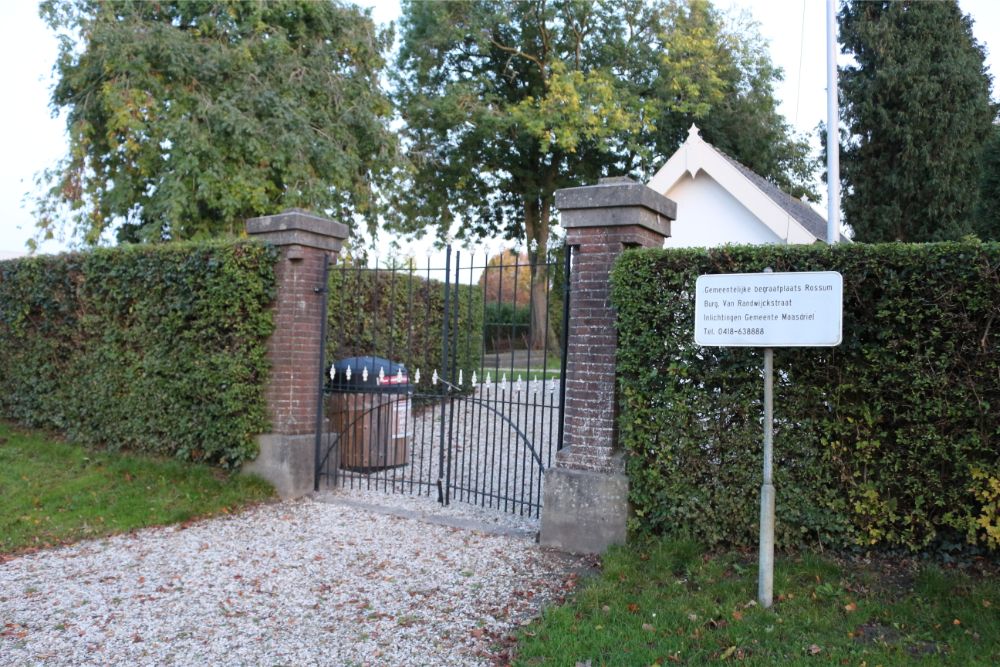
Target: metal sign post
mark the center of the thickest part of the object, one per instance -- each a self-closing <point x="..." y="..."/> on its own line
<point x="765" y="573"/>
<point x="765" y="568"/>
<point x="769" y="310"/>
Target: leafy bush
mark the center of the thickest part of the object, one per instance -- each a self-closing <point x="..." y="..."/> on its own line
<point x="398" y="314"/>
<point x="880" y="441"/>
<point x="155" y="348"/>
<point x="507" y="327"/>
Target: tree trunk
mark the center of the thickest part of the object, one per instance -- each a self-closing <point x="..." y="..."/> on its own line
<point x="536" y="227"/>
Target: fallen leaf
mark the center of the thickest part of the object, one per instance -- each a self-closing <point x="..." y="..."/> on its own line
<point x="647" y="627"/>
<point x="814" y="649"/>
<point x="850" y="607"/>
<point x="956" y="622"/>
<point x="728" y="653"/>
<point x="737" y="615"/>
<point x="633" y="608"/>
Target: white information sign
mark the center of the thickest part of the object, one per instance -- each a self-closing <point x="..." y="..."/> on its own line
<point x="802" y="309"/>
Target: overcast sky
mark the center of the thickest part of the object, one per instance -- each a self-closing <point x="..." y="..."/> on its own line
<point x="31" y="140"/>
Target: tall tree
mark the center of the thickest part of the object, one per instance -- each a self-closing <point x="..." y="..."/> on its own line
<point x="916" y="107"/>
<point x="506" y="102"/>
<point x="507" y="278"/>
<point x="186" y="117"/>
<point x="987" y="221"/>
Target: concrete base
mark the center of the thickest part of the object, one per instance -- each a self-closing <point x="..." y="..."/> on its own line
<point x="287" y="461"/>
<point x="584" y="511"/>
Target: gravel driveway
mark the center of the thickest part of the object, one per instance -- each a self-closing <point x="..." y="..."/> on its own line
<point x="339" y="579"/>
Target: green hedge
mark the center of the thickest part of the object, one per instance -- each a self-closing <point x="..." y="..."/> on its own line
<point x="399" y="315"/>
<point x="891" y="439"/>
<point x="155" y="348"/>
<point x="507" y="327"/>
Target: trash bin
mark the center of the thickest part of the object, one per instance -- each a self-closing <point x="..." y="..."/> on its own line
<point x="370" y="401"/>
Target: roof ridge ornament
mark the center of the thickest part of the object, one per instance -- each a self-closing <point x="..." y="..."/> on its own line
<point x="694" y="134"/>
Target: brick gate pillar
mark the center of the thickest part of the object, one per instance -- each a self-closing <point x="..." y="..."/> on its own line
<point x="304" y="240"/>
<point x="585" y="505"/>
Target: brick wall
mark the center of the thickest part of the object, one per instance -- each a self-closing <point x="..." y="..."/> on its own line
<point x="294" y="348"/>
<point x="304" y="241"/>
<point x="601" y="222"/>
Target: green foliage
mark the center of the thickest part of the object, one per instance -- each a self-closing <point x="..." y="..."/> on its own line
<point x="507" y="326"/>
<point x="986" y="487"/>
<point x="159" y="349"/>
<point x="187" y="118"/>
<point x="53" y="492"/>
<point x="399" y="314"/>
<point x="917" y="109"/>
<point x="876" y="440"/>
<point x="507" y="102"/>
<point x="987" y="222"/>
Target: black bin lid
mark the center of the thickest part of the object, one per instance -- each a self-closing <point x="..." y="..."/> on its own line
<point x="395" y="379"/>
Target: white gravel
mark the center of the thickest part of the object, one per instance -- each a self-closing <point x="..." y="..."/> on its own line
<point x="501" y="437"/>
<point x="340" y="579"/>
<point x="456" y="514"/>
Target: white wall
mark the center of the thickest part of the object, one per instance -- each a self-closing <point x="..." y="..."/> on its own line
<point x="707" y="215"/>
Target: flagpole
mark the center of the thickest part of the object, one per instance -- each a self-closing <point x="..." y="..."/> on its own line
<point x="832" y="128"/>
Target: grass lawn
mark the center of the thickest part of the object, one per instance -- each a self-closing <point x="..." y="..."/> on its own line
<point x="52" y="492"/>
<point x="671" y="603"/>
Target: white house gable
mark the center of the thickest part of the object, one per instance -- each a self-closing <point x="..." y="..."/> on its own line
<point x="708" y="215"/>
<point x="720" y="201"/>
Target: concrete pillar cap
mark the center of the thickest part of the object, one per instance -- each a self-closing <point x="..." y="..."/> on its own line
<point x="296" y="226"/>
<point x="616" y="202"/>
<point x="615" y="192"/>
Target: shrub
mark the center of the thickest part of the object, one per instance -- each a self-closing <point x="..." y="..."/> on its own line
<point x="155" y="348"/>
<point x="507" y="327"/>
<point x="880" y="441"/>
<point x="398" y="314"/>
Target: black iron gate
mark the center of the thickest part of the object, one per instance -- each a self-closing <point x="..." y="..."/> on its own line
<point x="445" y="382"/>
